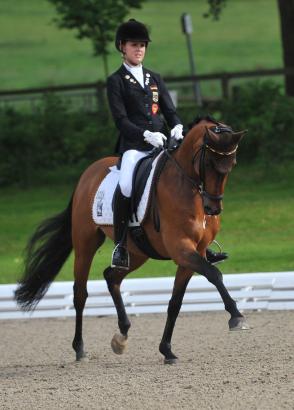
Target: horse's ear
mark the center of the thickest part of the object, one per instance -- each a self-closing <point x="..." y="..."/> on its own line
<point x="237" y="136"/>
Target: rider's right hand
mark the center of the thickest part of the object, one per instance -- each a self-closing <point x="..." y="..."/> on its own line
<point x="154" y="138"/>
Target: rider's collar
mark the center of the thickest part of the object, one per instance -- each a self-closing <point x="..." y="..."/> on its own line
<point x="133" y="68"/>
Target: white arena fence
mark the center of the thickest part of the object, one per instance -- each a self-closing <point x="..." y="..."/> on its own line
<point x="252" y="291"/>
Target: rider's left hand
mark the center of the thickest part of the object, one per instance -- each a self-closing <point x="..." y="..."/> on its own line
<point x="177" y="132"/>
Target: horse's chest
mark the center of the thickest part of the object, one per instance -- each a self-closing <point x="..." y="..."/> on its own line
<point x="199" y="228"/>
<point x="210" y="227"/>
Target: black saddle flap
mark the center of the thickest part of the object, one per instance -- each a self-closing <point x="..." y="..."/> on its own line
<point x="141" y="174"/>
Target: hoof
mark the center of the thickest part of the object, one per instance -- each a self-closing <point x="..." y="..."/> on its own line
<point x="119" y="343"/>
<point x="238" y="323"/>
<point x="171" y="360"/>
<point x="81" y="357"/>
<point x="169" y="357"/>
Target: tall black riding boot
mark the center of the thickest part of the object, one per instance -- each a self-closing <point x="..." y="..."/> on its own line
<point x="121" y="213"/>
<point x="215" y="257"/>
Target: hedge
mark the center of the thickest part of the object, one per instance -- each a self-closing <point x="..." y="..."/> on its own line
<point x="268" y="115"/>
<point x="56" y="140"/>
<point x="33" y="145"/>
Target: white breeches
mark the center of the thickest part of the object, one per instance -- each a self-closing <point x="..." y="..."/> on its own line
<point x="128" y="164"/>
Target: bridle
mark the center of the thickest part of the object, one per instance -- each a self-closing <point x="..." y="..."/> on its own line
<point x="200" y="185"/>
<point x="202" y="150"/>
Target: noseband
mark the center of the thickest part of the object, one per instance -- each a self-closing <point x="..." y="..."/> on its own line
<point x="202" y="150"/>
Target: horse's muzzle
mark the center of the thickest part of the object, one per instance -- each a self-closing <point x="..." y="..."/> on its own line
<point x="212" y="204"/>
<point x="212" y="211"/>
<point x="212" y="207"/>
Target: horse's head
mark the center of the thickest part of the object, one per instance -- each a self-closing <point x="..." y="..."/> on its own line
<point x="213" y="161"/>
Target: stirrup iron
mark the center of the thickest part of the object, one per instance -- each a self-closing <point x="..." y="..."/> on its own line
<point x="120" y="258"/>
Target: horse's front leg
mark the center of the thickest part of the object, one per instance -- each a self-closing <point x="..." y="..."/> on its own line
<point x="183" y="276"/>
<point x="198" y="264"/>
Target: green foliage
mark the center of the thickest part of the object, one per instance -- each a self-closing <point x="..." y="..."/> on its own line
<point x="215" y="8"/>
<point x="261" y="108"/>
<point x="94" y="19"/>
<point x="51" y="138"/>
<point x="58" y="140"/>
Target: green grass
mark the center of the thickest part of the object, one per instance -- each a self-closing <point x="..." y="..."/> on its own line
<point x="34" y="52"/>
<point x="257" y="225"/>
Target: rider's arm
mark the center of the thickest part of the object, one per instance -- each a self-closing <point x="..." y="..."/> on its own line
<point x="119" y="112"/>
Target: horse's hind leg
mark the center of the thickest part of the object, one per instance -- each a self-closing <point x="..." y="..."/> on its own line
<point x="84" y="253"/>
<point x="183" y="276"/>
<point x="114" y="277"/>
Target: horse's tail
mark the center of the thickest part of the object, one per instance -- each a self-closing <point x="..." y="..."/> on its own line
<point x="46" y="252"/>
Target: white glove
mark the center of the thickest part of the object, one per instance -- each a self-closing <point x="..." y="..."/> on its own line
<point x="177" y="132"/>
<point x="154" y="138"/>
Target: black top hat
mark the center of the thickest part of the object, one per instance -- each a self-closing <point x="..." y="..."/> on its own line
<point x="132" y="30"/>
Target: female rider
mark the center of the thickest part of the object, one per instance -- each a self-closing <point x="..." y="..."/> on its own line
<point x="136" y="96"/>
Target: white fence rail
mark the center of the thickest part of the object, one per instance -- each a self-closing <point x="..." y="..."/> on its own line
<point x="253" y="291"/>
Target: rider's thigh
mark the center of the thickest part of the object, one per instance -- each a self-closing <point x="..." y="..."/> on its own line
<point x="129" y="161"/>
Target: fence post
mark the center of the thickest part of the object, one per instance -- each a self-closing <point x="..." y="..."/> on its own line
<point x="225" y="86"/>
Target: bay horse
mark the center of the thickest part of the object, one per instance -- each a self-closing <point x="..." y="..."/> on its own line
<point x="189" y="195"/>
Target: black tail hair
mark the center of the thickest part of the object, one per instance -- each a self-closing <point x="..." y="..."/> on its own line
<point x="46" y="252"/>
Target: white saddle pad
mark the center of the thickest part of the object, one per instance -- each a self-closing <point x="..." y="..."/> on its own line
<point x="102" y="206"/>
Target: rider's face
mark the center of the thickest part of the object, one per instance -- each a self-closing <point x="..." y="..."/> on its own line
<point x="134" y="52"/>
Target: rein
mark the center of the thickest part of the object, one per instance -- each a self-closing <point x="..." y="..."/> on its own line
<point x="202" y="150"/>
<point x="191" y="180"/>
<point x="202" y="190"/>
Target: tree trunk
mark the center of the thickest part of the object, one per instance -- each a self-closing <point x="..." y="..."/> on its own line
<point x="286" y="8"/>
<point x="105" y="65"/>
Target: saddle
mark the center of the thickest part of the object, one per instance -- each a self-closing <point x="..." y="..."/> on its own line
<point x="140" y="177"/>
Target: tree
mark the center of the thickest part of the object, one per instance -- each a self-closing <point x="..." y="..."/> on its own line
<point x="286" y="10"/>
<point x="96" y="20"/>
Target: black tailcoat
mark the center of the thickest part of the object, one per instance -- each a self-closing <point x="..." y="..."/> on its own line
<point x="136" y="109"/>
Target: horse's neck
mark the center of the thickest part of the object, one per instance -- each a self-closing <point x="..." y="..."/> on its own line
<point x="184" y="154"/>
<point x="179" y="183"/>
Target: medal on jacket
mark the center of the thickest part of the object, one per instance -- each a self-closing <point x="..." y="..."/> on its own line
<point x="154" y="91"/>
<point x="154" y="108"/>
<point x="155" y="96"/>
<point x="130" y="79"/>
<point x="147" y="78"/>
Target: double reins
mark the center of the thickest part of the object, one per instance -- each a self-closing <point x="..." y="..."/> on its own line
<point x="200" y="186"/>
<point x="203" y="149"/>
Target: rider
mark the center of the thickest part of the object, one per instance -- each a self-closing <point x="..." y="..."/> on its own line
<point x="137" y="96"/>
